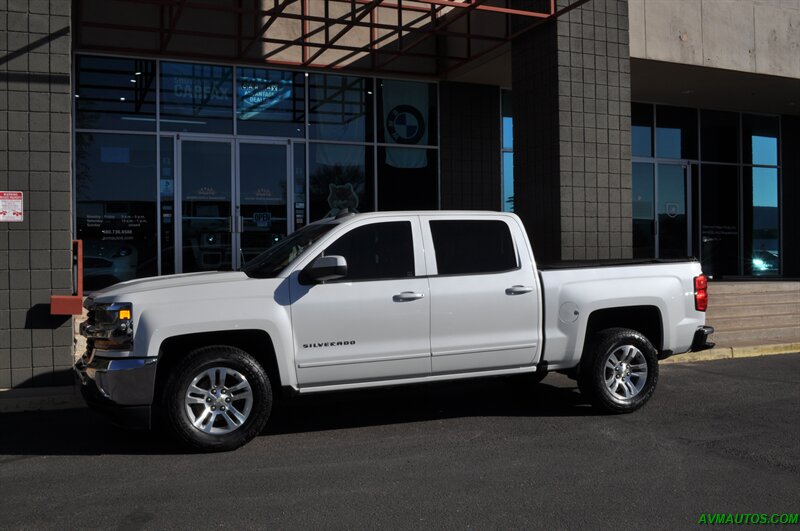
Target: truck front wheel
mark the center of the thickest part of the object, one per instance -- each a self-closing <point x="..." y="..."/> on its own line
<point x="620" y="372"/>
<point x="217" y="398"/>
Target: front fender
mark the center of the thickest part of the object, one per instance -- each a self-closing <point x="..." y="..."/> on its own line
<point x="159" y="323"/>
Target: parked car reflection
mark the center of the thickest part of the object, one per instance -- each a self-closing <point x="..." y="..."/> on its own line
<point x="108" y="262"/>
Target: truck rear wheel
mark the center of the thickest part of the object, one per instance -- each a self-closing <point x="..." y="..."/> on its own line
<point x="621" y="371"/>
<point x="217" y="398"/>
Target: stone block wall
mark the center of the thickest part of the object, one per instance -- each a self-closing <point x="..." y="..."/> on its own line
<point x="571" y="91"/>
<point x="35" y="255"/>
<point x="469" y="121"/>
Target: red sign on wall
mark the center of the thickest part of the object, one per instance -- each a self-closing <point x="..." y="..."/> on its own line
<point x="11" y="206"/>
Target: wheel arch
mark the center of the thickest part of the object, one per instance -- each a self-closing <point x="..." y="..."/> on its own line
<point x="257" y="343"/>
<point x="645" y="319"/>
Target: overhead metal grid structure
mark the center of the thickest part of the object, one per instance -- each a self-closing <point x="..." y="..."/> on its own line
<point x="428" y="37"/>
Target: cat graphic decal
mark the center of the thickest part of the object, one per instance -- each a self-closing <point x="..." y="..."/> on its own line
<point x="341" y="196"/>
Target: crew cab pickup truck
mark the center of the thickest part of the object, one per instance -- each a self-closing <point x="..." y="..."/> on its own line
<point x="382" y="299"/>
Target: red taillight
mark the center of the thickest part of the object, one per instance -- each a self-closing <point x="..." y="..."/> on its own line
<point x="701" y="293"/>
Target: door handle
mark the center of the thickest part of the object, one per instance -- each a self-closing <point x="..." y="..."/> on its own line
<point x="518" y="290"/>
<point x="407" y="296"/>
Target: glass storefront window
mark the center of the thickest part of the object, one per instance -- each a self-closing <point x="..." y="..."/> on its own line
<point x="643" y="196"/>
<point x="407" y="112"/>
<point x="196" y="98"/>
<point x="508" y="181"/>
<point x="339" y="177"/>
<point x="642" y="129"/>
<point x="166" y="185"/>
<point x="189" y="199"/>
<point x="340" y="108"/>
<point x="508" y="120"/>
<point x="719" y="136"/>
<point x="761" y="222"/>
<point x="114" y="93"/>
<point x="407" y="179"/>
<point x="719" y="214"/>
<point x="676" y="132"/>
<point x="299" y="186"/>
<point x="760" y="139"/>
<point x="270" y="102"/>
<point x="115" y="191"/>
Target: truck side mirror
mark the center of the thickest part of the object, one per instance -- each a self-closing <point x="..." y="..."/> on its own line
<point x="327" y="268"/>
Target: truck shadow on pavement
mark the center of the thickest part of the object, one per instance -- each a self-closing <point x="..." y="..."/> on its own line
<point x="82" y="431"/>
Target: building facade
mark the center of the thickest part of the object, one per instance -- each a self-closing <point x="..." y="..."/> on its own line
<point x="178" y="136"/>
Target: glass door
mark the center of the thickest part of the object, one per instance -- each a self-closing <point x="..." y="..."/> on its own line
<point x="673" y="223"/>
<point x="232" y="201"/>
<point x="262" y="208"/>
<point x="205" y="185"/>
<point x="661" y="209"/>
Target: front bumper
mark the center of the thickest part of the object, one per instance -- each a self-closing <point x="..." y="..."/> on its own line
<point x="120" y="387"/>
<point x="700" y="341"/>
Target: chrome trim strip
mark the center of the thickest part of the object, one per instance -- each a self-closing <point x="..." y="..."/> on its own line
<point x="490" y="349"/>
<point x="362" y="360"/>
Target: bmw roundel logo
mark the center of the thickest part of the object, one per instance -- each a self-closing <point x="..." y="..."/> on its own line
<point x="405" y="124"/>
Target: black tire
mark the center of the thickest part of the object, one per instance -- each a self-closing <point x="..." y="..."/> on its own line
<point x="594" y="381"/>
<point x="213" y="358"/>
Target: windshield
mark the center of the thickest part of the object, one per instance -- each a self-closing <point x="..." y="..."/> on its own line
<point x="275" y="259"/>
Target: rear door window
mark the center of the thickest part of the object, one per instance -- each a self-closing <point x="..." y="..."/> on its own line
<point x="469" y="247"/>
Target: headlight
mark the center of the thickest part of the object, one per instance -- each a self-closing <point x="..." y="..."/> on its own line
<point x="110" y="326"/>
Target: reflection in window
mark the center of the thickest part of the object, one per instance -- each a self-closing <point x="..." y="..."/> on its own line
<point x="115" y="189"/>
<point x="719" y="212"/>
<point x="340" y="108"/>
<point x="761" y="222"/>
<point x="196" y="98"/>
<point x="508" y="181"/>
<point x="643" y="210"/>
<point x="719" y="136"/>
<point x="407" y="179"/>
<point x="760" y="139"/>
<point x="676" y="133"/>
<point x="507" y="152"/>
<point x="508" y="121"/>
<point x="340" y="177"/>
<point x="270" y="102"/>
<point x="642" y="129"/>
<point x="112" y="93"/>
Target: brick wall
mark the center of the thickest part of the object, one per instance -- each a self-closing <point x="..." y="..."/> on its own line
<point x="571" y="91"/>
<point x="469" y="121"/>
<point x="35" y="255"/>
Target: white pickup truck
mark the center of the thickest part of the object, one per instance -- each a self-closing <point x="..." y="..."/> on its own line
<point x="381" y="299"/>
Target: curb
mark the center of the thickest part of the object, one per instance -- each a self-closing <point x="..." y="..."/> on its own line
<point x="69" y="396"/>
<point x="727" y="353"/>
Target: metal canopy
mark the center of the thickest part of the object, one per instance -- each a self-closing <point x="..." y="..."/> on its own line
<point x="427" y="37"/>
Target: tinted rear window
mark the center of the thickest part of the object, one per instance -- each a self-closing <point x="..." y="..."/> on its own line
<point x="465" y="247"/>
